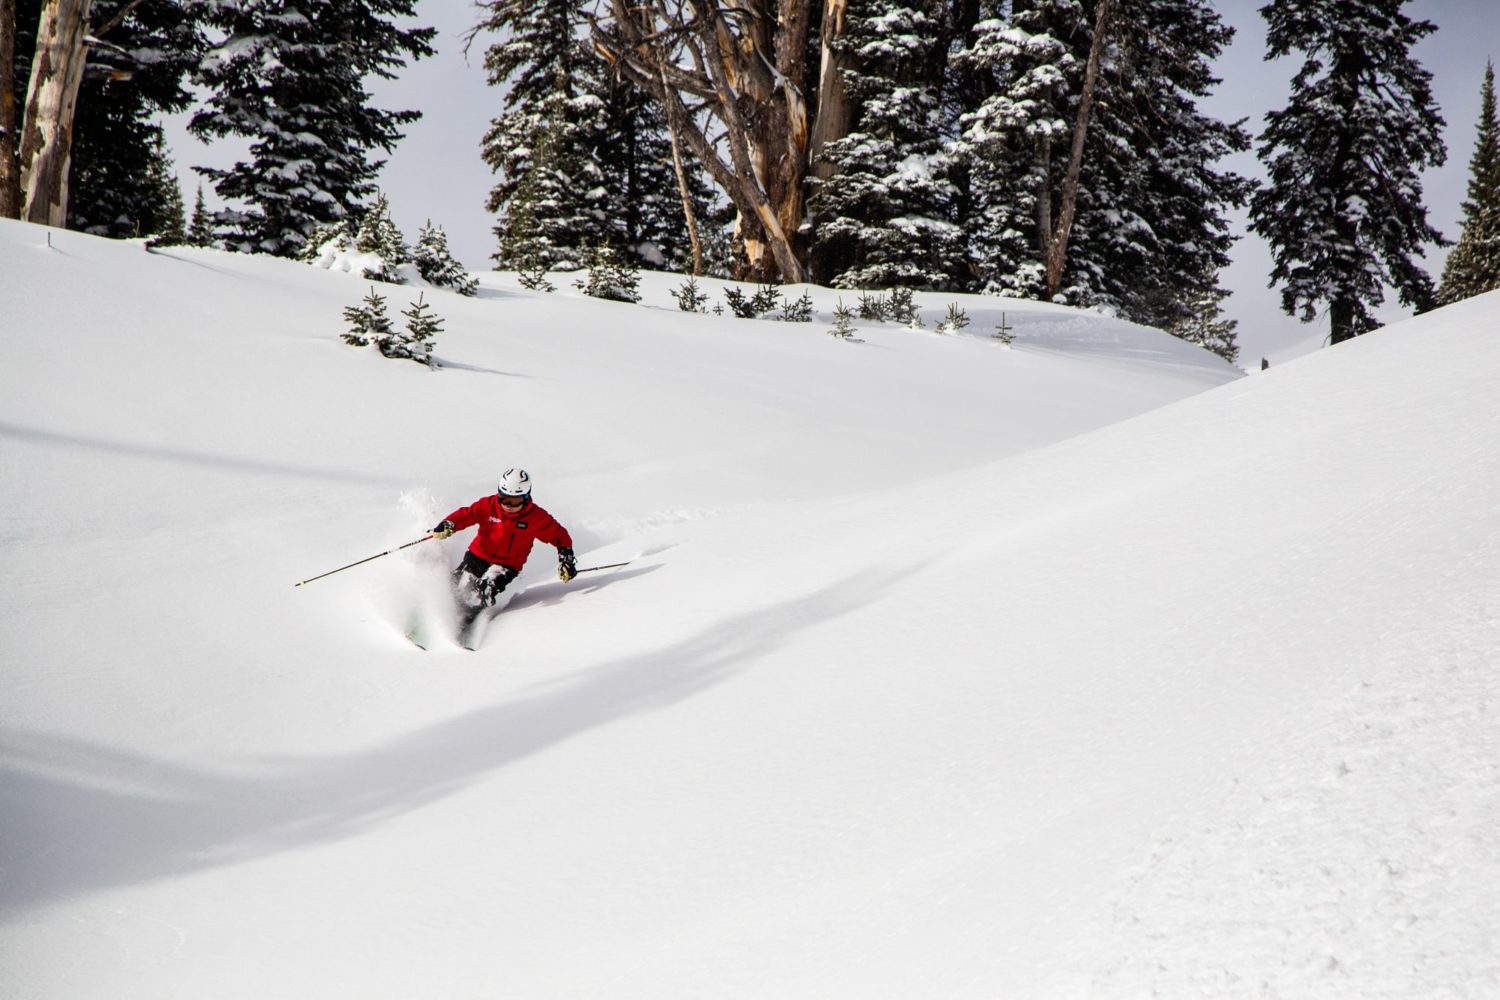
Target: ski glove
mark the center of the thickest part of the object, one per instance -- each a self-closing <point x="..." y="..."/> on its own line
<point x="567" y="565"/>
<point x="443" y="530"/>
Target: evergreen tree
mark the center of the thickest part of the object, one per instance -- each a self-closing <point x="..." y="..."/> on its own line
<point x="690" y="298"/>
<point x="1150" y="215"/>
<point x="550" y="196"/>
<point x="378" y="236"/>
<point x="1343" y="213"/>
<point x="422" y="325"/>
<point x="1018" y="73"/>
<point x="610" y="277"/>
<point x="290" y="76"/>
<point x="369" y="323"/>
<point x="1473" y="266"/>
<point x="843" y="321"/>
<point x="200" y="231"/>
<point x="1152" y="233"/>
<point x="582" y="156"/>
<point x="436" y="264"/>
<point x="1201" y="320"/>
<point x="799" y="310"/>
<point x="168" y="227"/>
<point x="884" y="217"/>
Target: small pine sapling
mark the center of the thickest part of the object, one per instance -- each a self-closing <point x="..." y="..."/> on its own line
<point x="766" y="298"/>
<point x="690" y="298"/>
<point x="763" y="301"/>
<point x="436" y="264"/>
<point x="609" y="278"/>
<point x="800" y="311"/>
<point x="738" y="304"/>
<point x="335" y="233"/>
<point x="378" y="236"/>
<point x="956" y="319"/>
<point x="873" y="308"/>
<point x="902" y="308"/>
<point x="422" y="325"/>
<point x="368" y="323"/>
<point x="843" y="322"/>
<point x="201" y="228"/>
<point x="533" y="276"/>
<point x="1004" y="332"/>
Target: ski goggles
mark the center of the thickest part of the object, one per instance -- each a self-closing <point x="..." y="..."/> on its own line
<point x="514" y="503"/>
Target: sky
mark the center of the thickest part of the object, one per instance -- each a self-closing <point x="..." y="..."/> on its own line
<point x="436" y="172"/>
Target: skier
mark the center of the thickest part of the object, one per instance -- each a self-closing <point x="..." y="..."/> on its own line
<point x="509" y="523"/>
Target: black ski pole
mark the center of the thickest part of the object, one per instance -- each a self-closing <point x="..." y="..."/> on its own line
<point x="593" y="568"/>
<point x="419" y="541"/>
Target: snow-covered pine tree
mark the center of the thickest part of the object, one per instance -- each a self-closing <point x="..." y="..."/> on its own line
<point x="1201" y="320"/>
<point x="1473" y="265"/>
<point x="289" y="75"/>
<point x="550" y="197"/>
<point x="435" y="262"/>
<point x="1343" y="213"/>
<point x="1150" y="212"/>
<point x="1152" y="231"/>
<point x="328" y="238"/>
<point x="610" y="276"/>
<point x="1014" y="113"/>
<point x="422" y="325"/>
<point x="369" y="323"/>
<point x="378" y="236"/>
<point x="884" y="216"/>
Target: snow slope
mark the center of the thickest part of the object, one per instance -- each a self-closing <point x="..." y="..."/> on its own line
<point x="1084" y="668"/>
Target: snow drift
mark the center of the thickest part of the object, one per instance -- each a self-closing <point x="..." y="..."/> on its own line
<point x="1078" y="669"/>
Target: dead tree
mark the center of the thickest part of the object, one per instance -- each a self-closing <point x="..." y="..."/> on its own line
<point x="10" y="167"/>
<point x="51" y="97"/>
<point x="733" y="77"/>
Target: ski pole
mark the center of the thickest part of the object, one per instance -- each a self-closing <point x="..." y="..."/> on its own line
<point x="593" y="568"/>
<point x="419" y="541"/>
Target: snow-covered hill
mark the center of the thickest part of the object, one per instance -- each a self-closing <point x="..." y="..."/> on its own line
<point x="1082" y="668"/>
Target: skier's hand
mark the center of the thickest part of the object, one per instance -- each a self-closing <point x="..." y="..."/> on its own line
<point x="443" y="530"/>
<point x="567" y="565"/>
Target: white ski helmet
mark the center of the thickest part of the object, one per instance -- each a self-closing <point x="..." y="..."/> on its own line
<point x="515" y="483"/>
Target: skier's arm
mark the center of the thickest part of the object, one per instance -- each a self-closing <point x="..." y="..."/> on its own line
<point x="464" y="517"/>
<point x="553" y="533"/>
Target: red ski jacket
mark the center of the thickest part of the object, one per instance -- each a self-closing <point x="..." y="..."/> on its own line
<point x="506" y="537"/>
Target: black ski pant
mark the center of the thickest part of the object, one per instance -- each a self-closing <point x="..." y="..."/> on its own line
<point x="477" y="582"/>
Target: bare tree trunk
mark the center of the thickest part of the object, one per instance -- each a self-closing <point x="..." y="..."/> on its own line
<point x="682" y="183"/>
<point x="1055" y="249"/>
<point x="10" y="166"/>
<point x="835" y="117"/>
<point x="748" y="69"/>
<point x="47" y="135"/>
